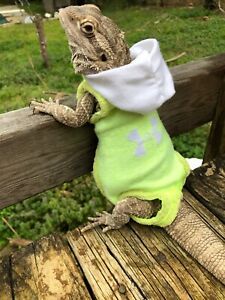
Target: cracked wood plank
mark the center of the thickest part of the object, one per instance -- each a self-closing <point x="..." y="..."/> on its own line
<point x="37" y="153"/>
<point x="135" y="262"/>
<point x="105" y="276"/>
<point x="207" y="184"/>
<point x="44" y="270"/>
<point x="24" y="274"/>
<point x="156" y="264"/>
<point x="178" y="264"/>
<point x="58" y="274"/>
<point x="6" y="292"/>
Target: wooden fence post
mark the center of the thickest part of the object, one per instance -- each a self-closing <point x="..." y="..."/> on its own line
<point x="216" y="140"/>
<point x="208" y="182"/>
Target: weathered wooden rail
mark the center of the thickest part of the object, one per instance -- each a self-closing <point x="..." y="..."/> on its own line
<point x="136" y="262"/>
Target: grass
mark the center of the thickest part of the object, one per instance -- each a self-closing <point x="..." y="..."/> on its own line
<point x="177" y="30"/>
<point x="196" y="31"/>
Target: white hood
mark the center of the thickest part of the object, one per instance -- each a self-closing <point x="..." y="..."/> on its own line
<point x="141" y="86"/>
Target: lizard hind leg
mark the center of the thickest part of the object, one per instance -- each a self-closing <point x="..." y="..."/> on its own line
<point x="122" y="212"/>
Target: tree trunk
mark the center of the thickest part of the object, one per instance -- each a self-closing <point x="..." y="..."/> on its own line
<point x="38" y="21"/>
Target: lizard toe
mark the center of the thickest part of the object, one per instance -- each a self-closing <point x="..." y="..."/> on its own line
<point x="35" y="111"/>
<point x="101" y="214"/>
<point x="89" y="226"/>
<point x="103" y="218"/>
<point x="106" y="229"/>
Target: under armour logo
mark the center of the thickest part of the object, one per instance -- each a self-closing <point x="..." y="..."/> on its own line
<point x="134" y="136"/>
<point x="154" y="132"/>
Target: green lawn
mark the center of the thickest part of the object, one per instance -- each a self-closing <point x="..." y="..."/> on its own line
<point x="196" y="31"/>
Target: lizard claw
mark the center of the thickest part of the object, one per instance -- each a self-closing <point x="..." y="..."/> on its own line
<point x="104" y="213"/>
<point x="35" y="112"/>
<point x="103" y="218"/>
<point x="31" y="105"/>
<point x="107" y="228"/>
<point x="43" y="106"/>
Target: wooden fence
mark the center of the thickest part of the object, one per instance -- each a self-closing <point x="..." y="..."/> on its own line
<point x="37" y="153"/>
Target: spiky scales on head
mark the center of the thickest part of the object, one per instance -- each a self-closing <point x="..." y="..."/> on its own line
<point x="96" y="42"/>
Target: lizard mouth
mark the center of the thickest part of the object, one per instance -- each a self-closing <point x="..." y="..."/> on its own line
<point x="78" y="58"/>
<point x="80" y="62"/>
<point x="84" y="64"/>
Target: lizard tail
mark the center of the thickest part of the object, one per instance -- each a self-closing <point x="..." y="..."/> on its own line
<point x="193" y="235"/>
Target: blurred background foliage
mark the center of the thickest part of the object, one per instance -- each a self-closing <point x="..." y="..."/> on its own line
<point x="197" y="31"/>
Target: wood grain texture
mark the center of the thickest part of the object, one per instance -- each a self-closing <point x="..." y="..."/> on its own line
<point x="45" y="270"/>
<point x="104" y="274"/>
<point x="37" y="153"/>
<point x="58" y="274"/>
<point x="207" y="183"/>
<point x="216" y="141"/>
<point x="149" y="258"/>
<point x="24" y="274"/>
<point x="136" y="262"/>
<point x="6" y="291"/>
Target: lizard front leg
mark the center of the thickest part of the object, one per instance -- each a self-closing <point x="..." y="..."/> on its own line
<point x="65" y="114"/>
<point x="122" y="212"/>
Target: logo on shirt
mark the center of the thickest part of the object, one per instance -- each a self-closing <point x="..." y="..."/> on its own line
<point x="152" y="133"/>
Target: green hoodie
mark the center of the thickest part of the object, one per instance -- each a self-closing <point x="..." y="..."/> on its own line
<point x="135" y="158"/>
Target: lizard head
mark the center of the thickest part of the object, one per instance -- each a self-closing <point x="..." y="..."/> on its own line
<point x="96" y="43"/>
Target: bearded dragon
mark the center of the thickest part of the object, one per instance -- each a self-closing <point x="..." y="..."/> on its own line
<point x="98" y="45"/>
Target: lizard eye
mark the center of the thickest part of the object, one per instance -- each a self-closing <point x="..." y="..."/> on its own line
<point x="87" y="28"/>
